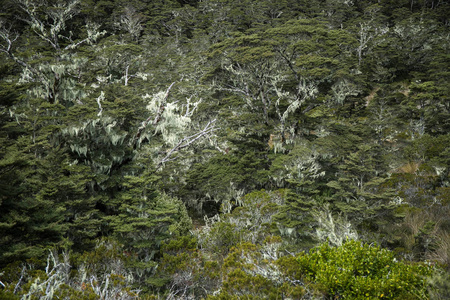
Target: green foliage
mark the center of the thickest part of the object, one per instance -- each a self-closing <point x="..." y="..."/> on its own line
<point x="239" y="278"/>
<point x="439" y="285"/>
<point x="93" y="275"/>
<point x="186" y="271"/>
<point x="224" y="179"/>
<point x="220" y="238"/>
<point x="251" y="271"/>
<point x="311" y="120"/>
<point x="52" y="193"/>
<point x="359" y="271"/>
<point x="142" y="219"/>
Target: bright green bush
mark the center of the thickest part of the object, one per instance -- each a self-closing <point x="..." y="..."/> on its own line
<point x="361" y="271"/>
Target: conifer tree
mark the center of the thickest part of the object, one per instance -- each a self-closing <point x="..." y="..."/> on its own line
<point x="143" y="219"/>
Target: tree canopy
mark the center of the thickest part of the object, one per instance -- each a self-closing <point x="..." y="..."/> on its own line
<point x="224" y="149"/>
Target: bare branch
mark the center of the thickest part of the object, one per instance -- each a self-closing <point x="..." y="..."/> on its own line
<point x="191" y="107"/>
<point x="132" y="21"/>
<point x="22" y="273"/>
<point x="93" y="34"/>
<point x="221" y="150"/>
<point x="187" y="141"/>
<point x="73" y="46"/>
<point x="100" y="98"/>
<point x="191" y="139"/>
<point x="10" y="38"/>
<point x="49" y="31"/>
<point x="38" y="27"/>
<point x="5" y="34"/>
<point x="218" y="148"/>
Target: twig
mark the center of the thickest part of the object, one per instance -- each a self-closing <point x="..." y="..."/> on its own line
<point x="9" y="39"/>
<point x="187" y="141"/>
<point x="20" y="280"/>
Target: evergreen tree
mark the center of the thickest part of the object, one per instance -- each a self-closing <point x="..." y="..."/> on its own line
<point x="142" y="219"/>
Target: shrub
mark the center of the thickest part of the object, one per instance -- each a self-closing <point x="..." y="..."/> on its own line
<point x="361" y="271"/>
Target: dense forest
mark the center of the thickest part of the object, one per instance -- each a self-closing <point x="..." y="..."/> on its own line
<point x="220" y="149"/>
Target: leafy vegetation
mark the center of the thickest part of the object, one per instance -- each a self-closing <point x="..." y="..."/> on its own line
<point x="224" y="149"/>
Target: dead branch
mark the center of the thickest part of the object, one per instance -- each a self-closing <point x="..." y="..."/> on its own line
<point x="58" y="17"/>
<point x="9" y="37"/>
<point x="100" y="98"/>
<point x="22" y="273"/>
<point x="187" y="141"/>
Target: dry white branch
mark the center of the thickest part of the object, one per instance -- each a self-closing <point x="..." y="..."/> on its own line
<point x="49" y="31"/>
<point x="132" y="21"/>
<point x="187" y="141"/>
<point x="9" y="38"/>
<point x="19" y="282"/>
<point x="191" y="107"/>
<point x="100" y="98"/>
